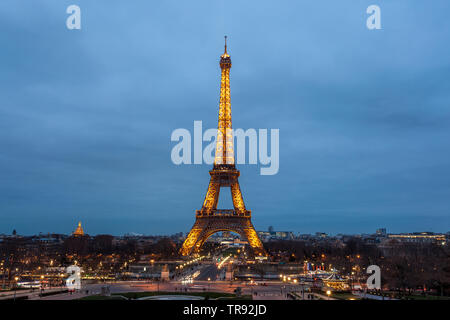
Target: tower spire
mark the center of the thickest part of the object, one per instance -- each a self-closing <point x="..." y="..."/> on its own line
<point x="224" y="145"/>
<point x="225" y="44"/>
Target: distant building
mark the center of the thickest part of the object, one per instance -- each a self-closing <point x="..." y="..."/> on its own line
<point x="275" y="235"/>
<point x="226" y="234"/>
<point x="381" y="232"/>
<point x="78" y="242"/>
<point x="284" y="235"/>
<point x="178" y="237"/>
<point x="271" y="229"/>
<point x="79" y="230"/>
<point x="103" y="243"/>
<point x="321" y="235"/>
<point x="264" y="235"/>
<point x="420" y="237"/>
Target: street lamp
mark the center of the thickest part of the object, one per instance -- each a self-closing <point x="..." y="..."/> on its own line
<point x="15" y="287"/>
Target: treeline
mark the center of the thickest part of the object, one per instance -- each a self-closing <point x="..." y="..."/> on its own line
<point x="404" y="266"/>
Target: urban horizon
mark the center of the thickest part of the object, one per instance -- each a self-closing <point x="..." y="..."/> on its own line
<point x="295" y="232"/>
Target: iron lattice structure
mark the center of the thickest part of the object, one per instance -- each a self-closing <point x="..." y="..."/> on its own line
<point x="209" y="219"/>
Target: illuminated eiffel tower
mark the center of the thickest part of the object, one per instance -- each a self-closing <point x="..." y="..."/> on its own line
<point x="209" y="219"/>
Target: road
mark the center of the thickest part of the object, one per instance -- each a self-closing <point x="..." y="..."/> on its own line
<point x="209" y="272"/>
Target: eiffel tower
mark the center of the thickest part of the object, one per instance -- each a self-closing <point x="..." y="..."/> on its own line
<point x="209" y="219"/>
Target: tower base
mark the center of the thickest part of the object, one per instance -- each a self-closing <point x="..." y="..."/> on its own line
<point x="205" y="226"/>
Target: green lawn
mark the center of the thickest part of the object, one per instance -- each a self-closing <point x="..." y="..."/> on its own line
<point x="405" y="296"/>
<point x="98" y="297"/>
<point x="344" y="296"/>
<point x="426" y="297"/>
<point x="244" y="297"/>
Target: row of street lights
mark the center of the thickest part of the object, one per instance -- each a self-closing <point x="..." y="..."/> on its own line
<point x="287" y="278"/>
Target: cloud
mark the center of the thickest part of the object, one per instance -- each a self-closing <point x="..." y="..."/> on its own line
<point x="86" y="116"/>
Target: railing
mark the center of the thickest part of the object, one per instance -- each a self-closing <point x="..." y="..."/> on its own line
<point x="223" y="213"/>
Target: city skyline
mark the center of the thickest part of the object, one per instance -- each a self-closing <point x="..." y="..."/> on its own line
<point x="86" y="115"/>
<point x="270" y="228"/>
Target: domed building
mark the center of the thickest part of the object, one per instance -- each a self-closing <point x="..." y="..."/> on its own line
<point x="79" y="230"/>
<point x="78" y="242"/>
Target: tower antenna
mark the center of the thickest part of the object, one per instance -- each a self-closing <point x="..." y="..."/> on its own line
<point x="225" y="44"/>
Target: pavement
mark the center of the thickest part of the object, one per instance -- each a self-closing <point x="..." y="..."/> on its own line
<point x="209" y="279"/>
<point x="31" y="294"/>
<point x="273" y="291"/>
<point x="365" y="295"/>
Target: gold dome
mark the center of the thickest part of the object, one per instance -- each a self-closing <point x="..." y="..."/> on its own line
<point x="79" y="231"/>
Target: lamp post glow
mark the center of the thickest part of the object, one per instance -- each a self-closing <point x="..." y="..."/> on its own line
<point x="15" y="287"/>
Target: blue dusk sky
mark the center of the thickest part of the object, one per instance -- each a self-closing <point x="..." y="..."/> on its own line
<point x="86" y="115"/>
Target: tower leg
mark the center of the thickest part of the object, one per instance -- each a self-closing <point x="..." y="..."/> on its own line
<point x="236" y="195"/>
<point x="212" y="196"/>
<point x="253" y="241"/>
<point x="191" y="239"/>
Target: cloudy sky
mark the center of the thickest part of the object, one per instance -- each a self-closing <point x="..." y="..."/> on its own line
<point x="86" y="115"/>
